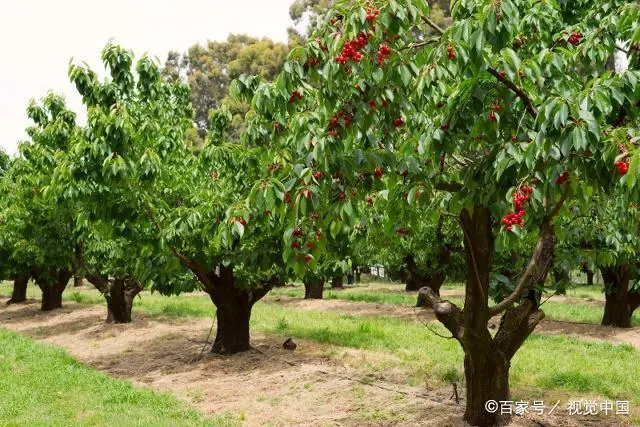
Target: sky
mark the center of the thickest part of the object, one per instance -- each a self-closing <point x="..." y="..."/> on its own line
<point x="39" y="37"/>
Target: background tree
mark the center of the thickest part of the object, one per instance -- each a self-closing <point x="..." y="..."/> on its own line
<point x="195" y="203"/>
<point x="39" y="232"/>
<point x="210" y="69"/>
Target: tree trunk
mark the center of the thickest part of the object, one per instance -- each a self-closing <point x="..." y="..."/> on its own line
<point x="617" y="309"/>
<point x="233" y="309"/>
<point x="589" y="277"/>
<point x="52" y="287"/>
<point x="78" y="281"/>
<point x="487" y="359"/>
<point x="120" y="300"/>
<point x="119" y="294"/>
<point x="337" y="282"/>
<point x="313" y="288"/>
<point x="358" y="275"/>
<point x="19" y="294"/>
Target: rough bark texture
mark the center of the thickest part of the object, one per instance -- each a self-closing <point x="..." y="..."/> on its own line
<point x="233" y="309"/>
<point x="620" y="304"/>
<point x="313" y="288"/>
<point x="337" y="282"/>
<point x="119" y="294"/>
<point x="487" y="359"/>
<point x="52" y="286"/>
<point x="19" y="294"/>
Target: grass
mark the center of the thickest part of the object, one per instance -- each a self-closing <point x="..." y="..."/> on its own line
<point x="377" y="293"/>
<point x="44" y="386"/>
<point x="545" y="366"/>
<point x="570" y="311"/>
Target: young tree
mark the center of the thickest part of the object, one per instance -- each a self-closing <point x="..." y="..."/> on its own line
<point x="514" y="99"/>
<point x="134" y="147"/>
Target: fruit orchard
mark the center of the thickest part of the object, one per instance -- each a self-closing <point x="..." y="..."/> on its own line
<point x="498" y="149"/>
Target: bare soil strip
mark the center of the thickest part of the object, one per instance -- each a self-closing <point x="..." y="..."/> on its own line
<point x="267" y="385"/>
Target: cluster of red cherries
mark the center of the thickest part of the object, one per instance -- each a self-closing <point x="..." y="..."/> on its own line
<point x="295" y="96"/>
<point x="334" y="122"/>
<point x="372" y="14"/>
<point x="520" y="197"/>
<point x="383" y="54"/>
<point x="351" y="49"/>
<point x="239" y="219"/>
<point x="494" y="109"/>
<point x="399" y="122"/>
<point x="623" y="167"/>
<point x="575" y="38"/>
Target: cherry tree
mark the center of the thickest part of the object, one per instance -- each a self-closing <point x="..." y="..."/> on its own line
<point x="499" y="120"/>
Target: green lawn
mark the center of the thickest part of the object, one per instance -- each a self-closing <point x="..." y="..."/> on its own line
<point x="44" y="386"/>
<point x="380" y="293"/>
<point x="545" y="366"/>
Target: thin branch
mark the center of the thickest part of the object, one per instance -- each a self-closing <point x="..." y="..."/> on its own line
<point x="558" y="205"/>
<point x="623" y="50"/>
<point x="433" y="25"/>
<point x="451" y="187"/>
<point x="524" y="279"/>
<point x="515" y="89"/>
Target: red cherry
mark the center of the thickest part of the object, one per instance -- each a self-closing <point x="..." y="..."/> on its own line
<point x="399" y="122"/>
<point x="295" y="245"/>
<point x="378" y="172"/>
<point x="307" y="259"/>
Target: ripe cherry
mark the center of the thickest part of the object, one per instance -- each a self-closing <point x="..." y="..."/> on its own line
<point x="378" y="172"/>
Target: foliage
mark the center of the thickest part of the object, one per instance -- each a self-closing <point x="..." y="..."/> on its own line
<point x="38" y="232"/>
<point x="210" y="69"/>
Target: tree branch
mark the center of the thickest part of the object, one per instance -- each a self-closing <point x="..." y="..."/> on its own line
<point x="529" y="273"/>
<point x="433" y="25"/>
<point x="446" y="312"/>
<point x="515" y="89"/>
<point x="451" y="187"/>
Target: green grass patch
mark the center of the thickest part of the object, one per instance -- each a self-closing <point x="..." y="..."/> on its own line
<point x="573" y="366"/>
<point x="44" y="386"/>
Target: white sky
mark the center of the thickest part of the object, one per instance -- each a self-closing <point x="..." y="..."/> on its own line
<point x="39" y="37"/>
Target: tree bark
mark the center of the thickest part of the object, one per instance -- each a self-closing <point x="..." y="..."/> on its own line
<point x="19" y="294"/>
<point x="233" y="309"/>
<point x="119" y="294"/>
<point x="487" y="359"/>
<point x="78" y="276"/>
<point x="618" y="307"/>
<point x="313" y="288"/>
<point x="589" y="277"/>
<point x="53" y="286"/>
<point x="337" y="282"/>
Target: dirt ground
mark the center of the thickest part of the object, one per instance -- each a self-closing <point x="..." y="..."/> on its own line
<point x="265" y="386"/>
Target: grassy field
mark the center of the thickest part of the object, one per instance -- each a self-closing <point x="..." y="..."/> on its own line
<point x="574" y="311"/>
<point x="545" y="367"/>
<point x="553" y="363"/>
<point x="44" y="386"/>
